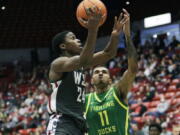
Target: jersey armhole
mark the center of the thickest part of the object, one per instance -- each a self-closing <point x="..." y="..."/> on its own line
<point x="88" y="103"/>
<point x="63" y="76"/>
<point x="119" y="100"/>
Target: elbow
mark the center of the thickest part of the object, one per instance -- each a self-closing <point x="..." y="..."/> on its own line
<point x="110" y="54"/>
<point x="82" y="64"/>
<point x="86" y="63"/>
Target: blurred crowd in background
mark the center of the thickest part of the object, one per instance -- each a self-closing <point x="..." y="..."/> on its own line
<point x="154" y="98"/>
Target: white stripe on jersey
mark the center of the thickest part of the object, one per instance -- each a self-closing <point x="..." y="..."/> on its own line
<point x="52" y="102"/>
<point x="52" y="125"/>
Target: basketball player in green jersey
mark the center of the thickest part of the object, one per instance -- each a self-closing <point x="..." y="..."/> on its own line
<point x="67" y="99"/>
<point x="106" y="108"/>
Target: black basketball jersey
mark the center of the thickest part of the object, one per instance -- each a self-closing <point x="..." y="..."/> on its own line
<point x="68" y="96"/>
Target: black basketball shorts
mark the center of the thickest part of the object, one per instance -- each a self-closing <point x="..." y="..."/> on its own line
<point x="62" y="125"/>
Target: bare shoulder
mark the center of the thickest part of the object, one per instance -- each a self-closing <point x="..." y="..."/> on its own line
<point x="59" y="60"/>
<point x="63" y="64"/>
<point x="53" y="74"/>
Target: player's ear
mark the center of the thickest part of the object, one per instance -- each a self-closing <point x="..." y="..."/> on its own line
<point x="92" y="81"/>
<point x="62" y="46"/>
<point x="110" y="81"/>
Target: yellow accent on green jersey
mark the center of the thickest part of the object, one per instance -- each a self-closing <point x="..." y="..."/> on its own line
<point x="88" y="99"/>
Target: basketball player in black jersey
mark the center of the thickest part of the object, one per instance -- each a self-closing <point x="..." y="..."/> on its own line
<point x="67" y="79"/>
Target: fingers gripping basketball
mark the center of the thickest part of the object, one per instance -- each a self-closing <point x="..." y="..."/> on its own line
<point x="83" y="11"/>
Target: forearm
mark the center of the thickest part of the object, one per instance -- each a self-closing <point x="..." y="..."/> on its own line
<point x="103" y="56"/>
<point x="86" y="55"/>
<point x="111" y="47"/>
<point x="132" y="55"/>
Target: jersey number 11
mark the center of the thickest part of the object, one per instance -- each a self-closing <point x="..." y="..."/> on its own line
<point x="104" y="118"/>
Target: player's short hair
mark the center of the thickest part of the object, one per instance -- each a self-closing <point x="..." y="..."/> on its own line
<point x="155" y="125"/>
<point x="57" y="40"/>
<point x="104" y="66"/>
<point x="97" y="66"/>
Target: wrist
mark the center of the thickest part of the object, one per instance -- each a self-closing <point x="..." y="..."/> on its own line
<point x="114" y="36"/>
<point x="127" y="36"/>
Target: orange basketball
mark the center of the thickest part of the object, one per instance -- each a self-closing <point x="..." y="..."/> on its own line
<point x="81" y="12"/>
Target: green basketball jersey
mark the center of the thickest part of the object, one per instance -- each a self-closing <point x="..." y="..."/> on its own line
<point x="106" y="114"/>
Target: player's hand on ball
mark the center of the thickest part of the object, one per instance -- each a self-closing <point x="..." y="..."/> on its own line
<point x="95" y="17"/>
<point x="118" y="24"/>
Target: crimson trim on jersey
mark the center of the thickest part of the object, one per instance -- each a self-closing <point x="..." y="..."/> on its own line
<point x="50" y="104"/>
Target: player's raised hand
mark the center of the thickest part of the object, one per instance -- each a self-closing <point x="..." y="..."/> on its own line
<point x="118" y="24"/>
<point x="95" y="17"/>
<point x="126" y="27"/>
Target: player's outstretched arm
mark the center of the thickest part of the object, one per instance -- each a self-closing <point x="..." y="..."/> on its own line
<point x="66" y="64"/>
<point x="111" y="48"/>
<point x="93" y="25"/>
<point x="125" y="84"/>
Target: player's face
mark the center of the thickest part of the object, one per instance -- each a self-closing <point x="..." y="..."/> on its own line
<point x="154" y="131"/>
<point x="101" y="76"/>
<point x="73" y="45"/>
